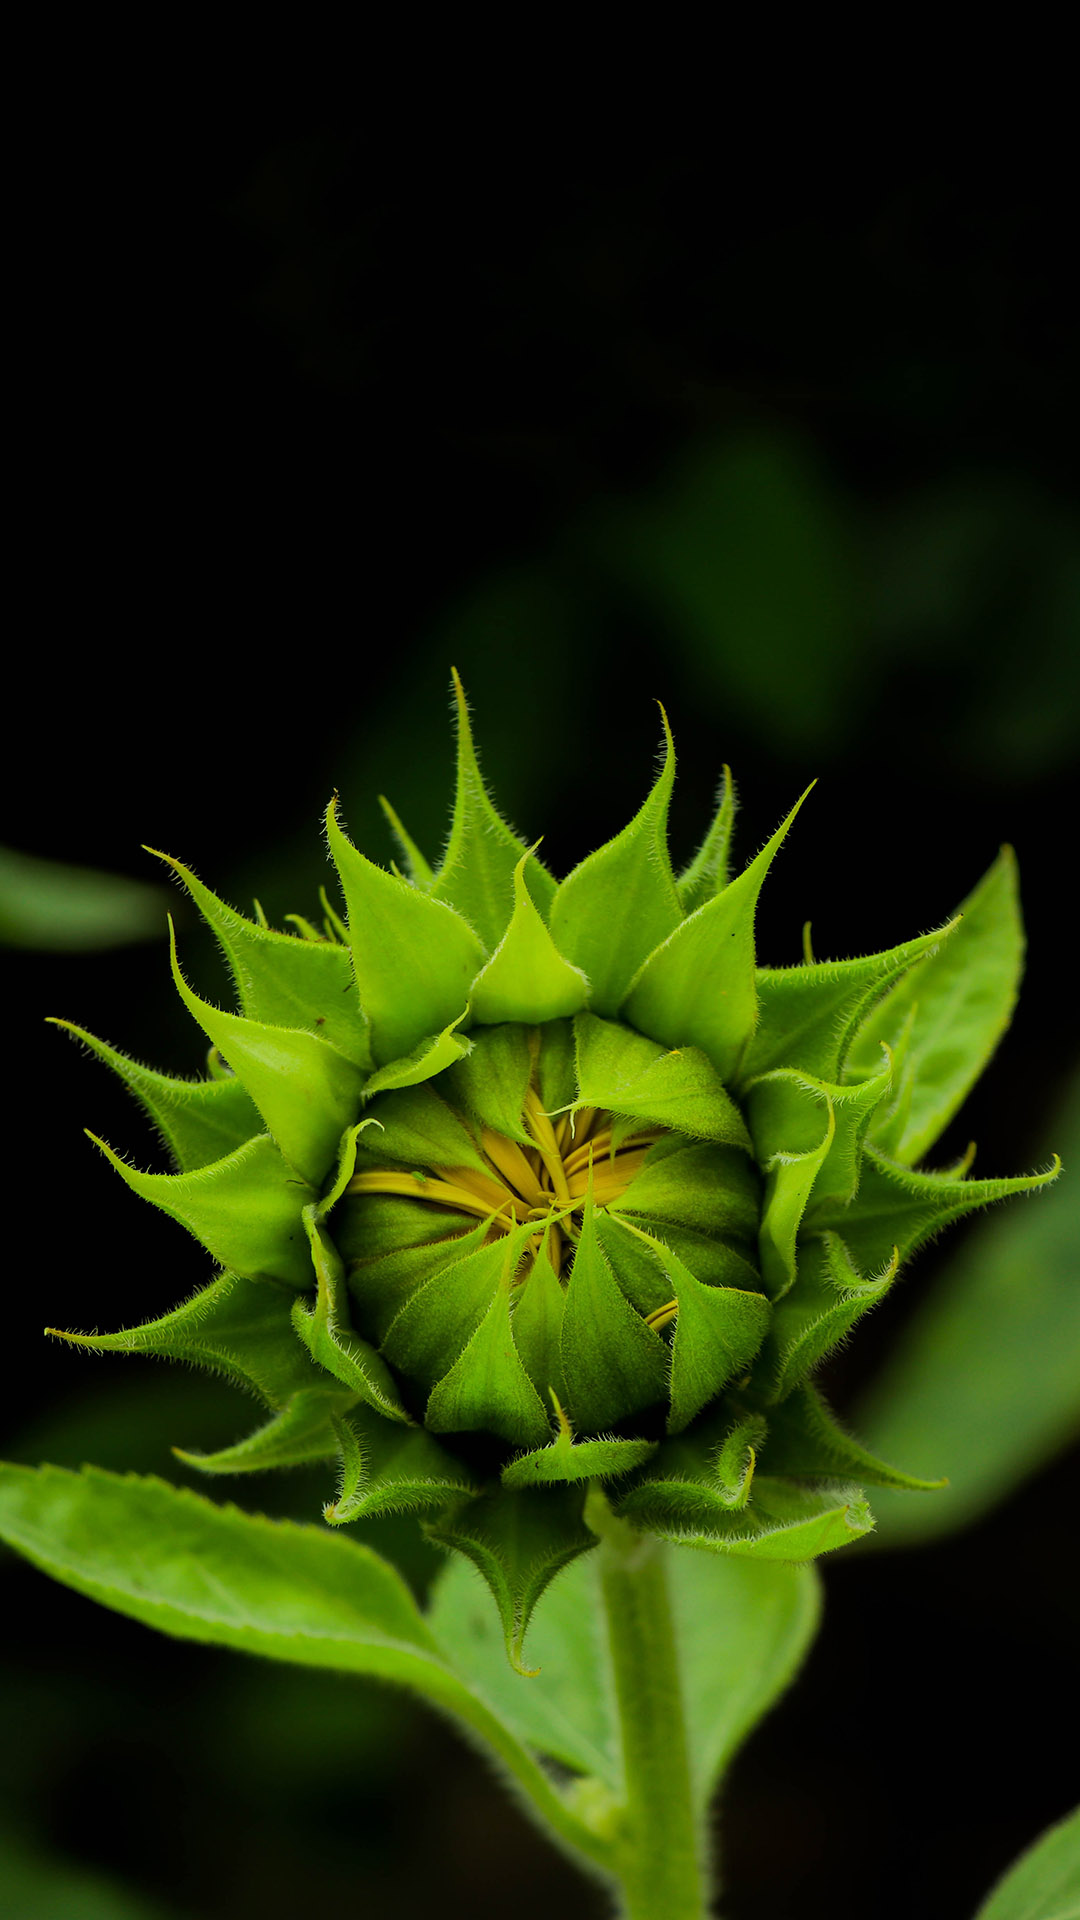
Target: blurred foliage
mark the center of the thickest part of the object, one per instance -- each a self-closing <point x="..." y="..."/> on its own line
<point x="745" y="558"/>
<point x="1045" y="1883"/>
<point x="40" y="1887"/>
<point x="44" y="903"/>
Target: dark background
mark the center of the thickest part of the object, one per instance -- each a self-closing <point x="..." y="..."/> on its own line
<point x="312" y="417"/>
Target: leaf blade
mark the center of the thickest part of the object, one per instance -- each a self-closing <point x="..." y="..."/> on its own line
<point x="269" y="1587"/>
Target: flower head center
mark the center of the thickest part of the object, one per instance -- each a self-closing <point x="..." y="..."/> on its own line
<point x="546" y="1179"/>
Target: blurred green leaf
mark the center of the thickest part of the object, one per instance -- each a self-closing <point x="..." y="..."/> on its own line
<point x="743" y="551"/>
<point x="44" y="903"/>
<point x="34" y="1886"/>
<point x="944" y="1019"/>
<point x="953" y="573"/>
<point x="744" y="1629"/>
<point x="984" y="1383"/>
<point x="1045" y="1882"/>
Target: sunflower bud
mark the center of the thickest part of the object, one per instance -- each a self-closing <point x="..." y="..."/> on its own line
<point x="515" y="1185"/>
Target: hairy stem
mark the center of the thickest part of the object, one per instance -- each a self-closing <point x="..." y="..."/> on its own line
<point x="660" y="1852"/>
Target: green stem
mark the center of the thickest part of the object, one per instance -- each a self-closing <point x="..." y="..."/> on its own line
<point x="660" y="1850"/>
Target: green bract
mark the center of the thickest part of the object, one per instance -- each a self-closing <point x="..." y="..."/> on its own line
<point x="516" y="1186"/>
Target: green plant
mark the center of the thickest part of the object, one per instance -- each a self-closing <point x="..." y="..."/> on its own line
<point x="536" y="1206"/>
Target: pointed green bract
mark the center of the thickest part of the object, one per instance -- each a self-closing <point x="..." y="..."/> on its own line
<point x="697" y="988"/>
<point x="350" y="1151"/>
<point x="200" y="1120"/>
<point x="717" y="1333"/>
<point x="420" y="872"/>
<point x="855" y="1108"/>
<point x="303" y="1432"/>
<point x="632" y="1256"/>
<point x="567" y="1460"/>
<point x="555" y="1066"/>
<point x="487" y="1390"/>
<point x="713" y="1261"/>
<point x="437" y="1323"/>
<point x="637" y="1078"/>
<point x="238" y="1328"/>
<point x="807" y="1016"/>
<point x="784" y="1106"/>
<point x="282" y="981"/>
<point x="786" y="1110"/>
<point x="430" y="1056"/>
<point x="898" y="1207"/>
<point x="566" y="1711"/>
<point x="351" y="1473"/>
<point x="1006" y="1310"/>
<point x="382" y="1284"/>
<point x="307" y="1094"/>
<point x="718" y="1330"/>
<point x="490" y="1082"/>
<point x="526" y="977"/>
<point x="707" y="873"/>
<point x="414" y="957"/>
<point x="961" y="999"/>
<point x="787" y="1113"/>
<point x="304" y="927"/>
<point x="477" y="873"/>
<point x="246" y="1209"/>
<point x="326" y="1332"/>
<point x="414" y="1125"/>
<point x="537" y="1326"/>
<point x="621" y="902"/>
<point x="697" y="1478"/>
<point x="819" y="1312"/>
<point x="613" y="1364"/>
<point x="805" y="1440"/>
<point x="713" y="1190"/>
<point x="785" y="1521"/>
<point x="519" y="1540"/>
<point x="390" y="1469"/>
<point x="736" y="1461"/>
